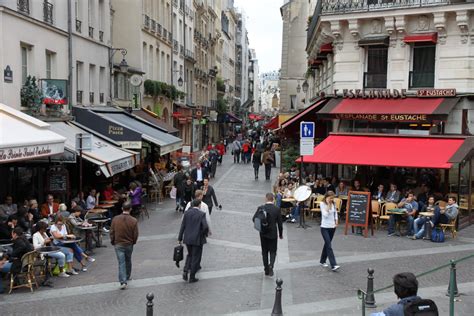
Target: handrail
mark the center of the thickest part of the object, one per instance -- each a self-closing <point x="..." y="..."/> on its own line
<point x="452" y="263"/>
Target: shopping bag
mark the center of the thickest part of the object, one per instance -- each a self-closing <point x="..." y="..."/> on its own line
<point x="173" y="193"/>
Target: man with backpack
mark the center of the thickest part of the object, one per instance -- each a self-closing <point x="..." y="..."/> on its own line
<point x="266" y="219"/>
<point x="410" y="304"/>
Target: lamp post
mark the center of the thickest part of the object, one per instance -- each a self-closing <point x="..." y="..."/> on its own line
<point x="123" y="66"/>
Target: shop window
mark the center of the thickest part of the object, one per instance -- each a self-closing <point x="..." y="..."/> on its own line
<point x="423" y="66"/>
<point x="376" y="73"/>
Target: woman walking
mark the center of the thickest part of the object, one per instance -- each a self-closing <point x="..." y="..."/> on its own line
<point x="257" y="162"/>
<point x="329" y="222"/>
<point x="135" y="195"/>
<point x="209" y="195"/>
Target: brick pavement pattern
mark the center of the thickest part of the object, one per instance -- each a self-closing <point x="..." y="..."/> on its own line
<point x="232" y="279"/>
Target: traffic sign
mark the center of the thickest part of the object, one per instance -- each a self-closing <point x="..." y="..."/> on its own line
<point x="307" y="130"/>
<point x="306" y="147"/>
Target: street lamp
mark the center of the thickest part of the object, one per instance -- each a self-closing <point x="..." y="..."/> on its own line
<point x="298" y="87"/>
<point x="180" y="82"/>
<point x="305" y="86"/>
<point x="123" y="66"/>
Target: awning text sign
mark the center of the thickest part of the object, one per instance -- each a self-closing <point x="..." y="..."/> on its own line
<point x="383" y="117"/>
<point x="29" y="152"/>
<point x="435" y="93"/>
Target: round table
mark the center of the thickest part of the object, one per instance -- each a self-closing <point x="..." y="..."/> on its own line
<point x="427" y="214"/>
<point x="98" y="211"/>
<point x="109" y="202"/>
<point x="290" y="200"/>
<point x="105" y="206"/>
<point x="46" y="251"/>
<point x="100" y="222"/>
<point x="70" y="241"/>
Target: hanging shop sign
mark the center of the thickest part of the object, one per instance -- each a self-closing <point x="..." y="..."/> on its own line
<point x="54" y="91"/>
<point x="435" y="93"/>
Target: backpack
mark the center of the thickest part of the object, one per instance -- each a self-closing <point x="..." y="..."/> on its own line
<point x="437" y="235"/>
<point x="261" y="222"/>
<point x="421" y="307"/>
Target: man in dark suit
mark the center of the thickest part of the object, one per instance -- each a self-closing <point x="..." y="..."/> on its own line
<point x="269" y="238"/>
<point x="198" y="175"/>
<point x="194" y="228"/>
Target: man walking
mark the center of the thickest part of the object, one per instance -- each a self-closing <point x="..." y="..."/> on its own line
<point x="123" y="235"/>
<point x="267" y="160"/>
<point x="269" y="236"/>
<point x="236" y="147"/>
<point x="193" y="232"/>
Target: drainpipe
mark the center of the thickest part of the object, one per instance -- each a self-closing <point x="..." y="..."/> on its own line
<point x="69" y="30"/>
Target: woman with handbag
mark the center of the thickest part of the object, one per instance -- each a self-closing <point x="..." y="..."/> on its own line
<point x="329" y="222"/>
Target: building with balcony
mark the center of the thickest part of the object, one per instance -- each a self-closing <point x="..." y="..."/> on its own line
<point x="254" y="82"/>
<point x="393" y="71"/>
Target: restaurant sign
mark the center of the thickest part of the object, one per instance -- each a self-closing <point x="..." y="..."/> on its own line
<point x="29" y="152"/>
<point x="435" y="93"/>
<point x="384" y="117"/>
<point x="118" y="166"/>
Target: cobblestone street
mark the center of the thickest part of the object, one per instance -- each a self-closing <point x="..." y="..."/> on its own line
<point x="232" y="279"/>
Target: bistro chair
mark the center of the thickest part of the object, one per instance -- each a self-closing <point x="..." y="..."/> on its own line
<point x="386" y="207"/>
<point x="316" y="207"/>
<point x="441" y="203"/>
<point x="451" y="226"/>
<point x="26" y="276"/>
<point x="376" y="213"/>
<point x="338" y="203"/>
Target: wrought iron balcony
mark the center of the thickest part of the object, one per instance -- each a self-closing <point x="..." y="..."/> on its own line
<point x="79" y="96"/>
<point x="175" y="46"/>
<point x="91" y="32"/>
<point x="170" y="37"/>
<point x="23" y="6"/>
<point x="78" y="26"/>
<point x="101" y="36"/>
<point x="48" y="12"/>
<point x="146" y="21"/>
<point x="421" y="80"/>
<point x="91" y="97"/>
<point x="165" y="34"/>
<point x="175" y="3"/>
<point x="346" y="6"/>
<point x="372" y="80"/>
<point x="153" y="25"/>
<point x="159" y="29"/>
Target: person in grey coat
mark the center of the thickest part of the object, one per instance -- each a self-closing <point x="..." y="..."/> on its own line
<point x="193" y="233"/>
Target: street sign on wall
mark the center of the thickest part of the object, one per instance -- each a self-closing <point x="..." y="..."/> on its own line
<point x="306" y="138"/>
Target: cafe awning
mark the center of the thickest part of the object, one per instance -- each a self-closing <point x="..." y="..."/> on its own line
<point x="110" y="159"/>
<point x="23" y="137"/>
<point x="399" y="110"/>
<point x="300" y="116"/>
<point x="273" y="124"/>
<point x="152" y="118"/>
<point x="421" y="38"/>
<point x="387" y="151"/>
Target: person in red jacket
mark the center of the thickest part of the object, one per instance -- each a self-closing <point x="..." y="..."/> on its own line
<point x="221" y="149"/>
<point x="50" y="208"/>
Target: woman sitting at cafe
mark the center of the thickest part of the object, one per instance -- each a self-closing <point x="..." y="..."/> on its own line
<point x="341" y="189"/>
<point x="41" y="239"/>
<point x="76" y="221"/>
<point x="59" y="232"/>
<point x="419" y="224"/>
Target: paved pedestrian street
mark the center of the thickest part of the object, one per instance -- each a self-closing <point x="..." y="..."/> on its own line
<point x="232" y="279"/>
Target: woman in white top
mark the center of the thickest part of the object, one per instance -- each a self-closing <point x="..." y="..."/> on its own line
<point x="41" y="239"/>
<point x="329" y="222"/>
<point x="59" y="232"/>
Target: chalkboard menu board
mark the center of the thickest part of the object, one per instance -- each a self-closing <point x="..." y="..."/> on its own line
<point x="57" y="181"/>
<point x="358" y="210"/>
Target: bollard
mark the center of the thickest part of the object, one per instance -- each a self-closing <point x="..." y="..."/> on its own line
<point x="149" y="304"/>
<point x="370" y="297"/>
<point x="277" y="311"/>
<point x="452" y="280"/>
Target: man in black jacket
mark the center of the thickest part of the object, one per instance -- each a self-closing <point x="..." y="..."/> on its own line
<point x="269" y="238"/>
<point x="209" y="196"/>
<point x="194" y="228"/>
<point x="178" y="181"/>
<point x="198" y="175"/>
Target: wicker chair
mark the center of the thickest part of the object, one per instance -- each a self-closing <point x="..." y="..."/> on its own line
<point x="26" y="273"/>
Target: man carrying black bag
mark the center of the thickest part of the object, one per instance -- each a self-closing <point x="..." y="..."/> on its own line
<point x="195" y="229"/>
<point x="268" y="218"/>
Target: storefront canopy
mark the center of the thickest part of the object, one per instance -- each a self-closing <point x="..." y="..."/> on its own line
<point x="400" y="110"/>
<point x="23" y="137"/>
<point x="273" y="124"/>
<point x="152" y="118"/>
<point x="110" y="159"/>
<point x="301" y="115"/>
<point x="388" y="151"/>
<point x="228" y="118"/>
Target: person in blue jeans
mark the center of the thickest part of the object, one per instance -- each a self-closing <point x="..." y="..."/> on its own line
<point x="409" y="204"/>
<point x="420" y="222"/>
<point x="329" y="222"/>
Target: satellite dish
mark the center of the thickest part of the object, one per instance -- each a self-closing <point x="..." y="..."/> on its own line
<point x="302" y="193"/>
<point x="136" y="80"/>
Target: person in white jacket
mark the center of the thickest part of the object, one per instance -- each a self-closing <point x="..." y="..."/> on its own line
<point x="329" y="222"/>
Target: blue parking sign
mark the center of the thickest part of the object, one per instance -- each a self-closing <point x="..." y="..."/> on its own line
<point x="307" y="130"/>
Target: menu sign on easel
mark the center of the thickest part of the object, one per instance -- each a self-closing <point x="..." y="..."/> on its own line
<point x="57" y="180"/>
<point x="358" y="210"/>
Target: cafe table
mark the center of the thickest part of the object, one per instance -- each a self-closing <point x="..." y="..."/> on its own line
<point x="47" y="250"/>
<point x="109" y="202"/>
<point x="88" y="243"/>
<point x="289" y="199"/>
<point x="70" y="241"/>
<point x="99" y="210"/>
<point x="105" y="206"/>
<point x="427" y="214"/>
<point x="100" y="223"/>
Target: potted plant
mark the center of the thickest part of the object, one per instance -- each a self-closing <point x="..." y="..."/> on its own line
<point x="31" y="96"/>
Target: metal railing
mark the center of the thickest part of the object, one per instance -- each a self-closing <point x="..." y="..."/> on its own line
<point x="23" y="6"/>
<point x="78" y="26"/>
<point x="79" y="96"/>
<point x="421" y="79"/>
<point x="345" y="6"/>
<point x="159" y="29"/>
<point x="91" y="32"/>
<point x="48" y="12"/>
<point x="146" y="21"/>
<point x="91" y="97"/>
<point x="451" y="292"/>
<point x="373" y="80"/>
<point x="153" y="25"/>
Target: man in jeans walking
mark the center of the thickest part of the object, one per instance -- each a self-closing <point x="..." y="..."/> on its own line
<point x="123" y="235"/>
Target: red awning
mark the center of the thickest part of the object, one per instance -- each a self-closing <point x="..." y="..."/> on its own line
<point x="326" y="48"/>
<point x="255" y="117"/>
<point x="421" y="38"/>
<point x="300" y="115"/>
<point x="391" y="109"/>
<point x="273" y="124"/>
<point x="388" y="151"/>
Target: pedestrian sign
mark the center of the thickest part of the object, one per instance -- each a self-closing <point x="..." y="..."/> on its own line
<point x="307" y="130"/>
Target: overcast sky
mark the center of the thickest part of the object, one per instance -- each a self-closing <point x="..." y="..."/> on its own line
<point x="264" y="26"/>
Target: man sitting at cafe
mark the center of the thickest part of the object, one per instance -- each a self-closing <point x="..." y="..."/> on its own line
<point x="50" y="208"/>
<point x="409" y="207"/>
<point x="378" y="195"/>
<point x="447" y="214"/>
<point x="7" y="209"/>
<point x="393" y="195"/>
<point x="7" y="227"/>
<point x="91" y="201"/>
